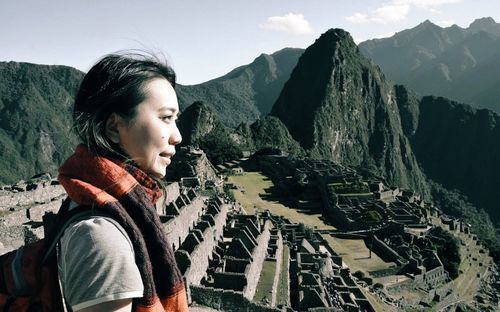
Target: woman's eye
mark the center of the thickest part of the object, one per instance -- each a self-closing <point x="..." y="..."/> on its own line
<point x="168" y="118"/>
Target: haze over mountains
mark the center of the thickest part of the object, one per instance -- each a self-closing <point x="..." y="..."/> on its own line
<point x="462" y="64"/>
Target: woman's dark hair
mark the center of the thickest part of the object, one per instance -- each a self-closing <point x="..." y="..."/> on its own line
<point x="115" y="84"/>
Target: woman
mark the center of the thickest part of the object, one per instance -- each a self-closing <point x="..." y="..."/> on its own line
<point x="119" y="258"/>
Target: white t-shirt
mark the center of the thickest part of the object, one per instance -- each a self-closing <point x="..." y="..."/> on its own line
<point x="96" y="263"/>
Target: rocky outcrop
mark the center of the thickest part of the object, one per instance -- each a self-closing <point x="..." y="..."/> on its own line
<point x="200" y="127"/>
<point x="197" y="120"/>
<point x="339" y="106"/>
<point x="267" y="132"/>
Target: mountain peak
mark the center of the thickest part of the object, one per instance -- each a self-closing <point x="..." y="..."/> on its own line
<point x="337" y="34"/>
<point x="335" y="39"/>
<point x="486" y="24"/>
<point x="427" y="24"/>
<point x="484" y="21"/>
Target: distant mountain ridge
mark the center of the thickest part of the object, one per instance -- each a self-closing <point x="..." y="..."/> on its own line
<point x="246" y="93"/>
<point x="461" y="64"/>
<point x="336" y="104"/>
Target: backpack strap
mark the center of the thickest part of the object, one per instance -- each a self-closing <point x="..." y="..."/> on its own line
<point x="79" y="213"/>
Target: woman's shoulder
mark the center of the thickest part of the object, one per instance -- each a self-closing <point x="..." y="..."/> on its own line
<point x="96" y="263"/>
<point x="98" y="233"/>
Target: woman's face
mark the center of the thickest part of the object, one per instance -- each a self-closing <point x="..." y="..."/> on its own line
<point x="149" y="138"/>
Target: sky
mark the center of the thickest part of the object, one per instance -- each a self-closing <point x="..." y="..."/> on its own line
<point x="205" y="39"/>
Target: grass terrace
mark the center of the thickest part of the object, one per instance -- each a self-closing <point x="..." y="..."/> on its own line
<point x="253" y="189"/>
<point x="283" y="287"/>
<point x="265" y="285"/>
<point x="355" y="254"/>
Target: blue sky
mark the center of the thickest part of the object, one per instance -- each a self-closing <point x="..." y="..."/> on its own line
<point x="204" y="39"/>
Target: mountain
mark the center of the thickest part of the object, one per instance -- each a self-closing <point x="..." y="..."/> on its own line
<point x="457" y="146"/>
<point x="486" y="24"/>
<point x="197" y="120"/>
<point x="36" y="102"/>
<point x="35" y="122"/>
<point x="461" y="64"/>
<point x="199" y="126"/>
<point x="245" y="93"/>
<point x="340" y="106"/>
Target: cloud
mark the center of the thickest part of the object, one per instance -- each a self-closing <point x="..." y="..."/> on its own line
<point x="396" y="10"/>
<point x="385" y="14"/>
<point x="430" y="4"/>
<point x="294" y="24"/>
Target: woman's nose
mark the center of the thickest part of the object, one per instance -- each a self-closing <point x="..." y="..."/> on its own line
<point x="175" y="137"/>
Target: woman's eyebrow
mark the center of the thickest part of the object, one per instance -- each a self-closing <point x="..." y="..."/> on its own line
<point x="164" y="108"/>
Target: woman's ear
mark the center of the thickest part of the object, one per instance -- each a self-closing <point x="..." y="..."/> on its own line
<point x="111" y="128"/>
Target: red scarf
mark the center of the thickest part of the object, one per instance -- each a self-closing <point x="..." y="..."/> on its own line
<point x="128" y="195"/>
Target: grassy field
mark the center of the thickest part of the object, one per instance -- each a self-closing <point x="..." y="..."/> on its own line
<point x="252" y="194"/>
<point x="255" y="185"/>
<point x="467" y="284"/>
<point x="282" y="295"/>
<point x="356" y="255"/>
<point x="265" y="286"/>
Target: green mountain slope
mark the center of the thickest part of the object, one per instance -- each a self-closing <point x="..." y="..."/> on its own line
<point x="245" y="93"/>
<point x="339" y="106"/>
<point x="35" y="104"/>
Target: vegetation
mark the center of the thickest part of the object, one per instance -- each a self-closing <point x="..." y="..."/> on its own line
<point x="455" y="204"/>
<point x="219" y="147"/>
<point x="373" y="215"/>
<point x="270" y="133"/>
<point x="247" y="92"/>
<point x="35" y="119"/>
<point x="448" y="250"/>
<point x="229" y="193"/>
<point x="283" y="287"/>
<point x="350" y="188"/>
<point x="266" y="279"/>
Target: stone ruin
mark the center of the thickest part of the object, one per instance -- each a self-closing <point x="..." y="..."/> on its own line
<point x="22" y="206"/>
<point x="221" y="252"/>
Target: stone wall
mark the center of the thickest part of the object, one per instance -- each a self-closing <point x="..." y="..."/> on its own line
<point x="230" y="281"/>
<point x="178" y="228"/>
<point x="15" y="226"/>
<point x="226" y="300"/>
<point x="435" y="276"/>
<point x="381" y="247"/>
<point x="200" y="256"/>
<point x="173" y="191"/>
<point x="28" y="196"/>
<point x="258" y="256"/>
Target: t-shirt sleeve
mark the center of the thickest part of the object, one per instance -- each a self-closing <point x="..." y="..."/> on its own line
<point x="97" y="264"/>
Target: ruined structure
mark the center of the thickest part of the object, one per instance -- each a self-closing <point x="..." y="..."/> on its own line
<point x="237" y="262"/>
